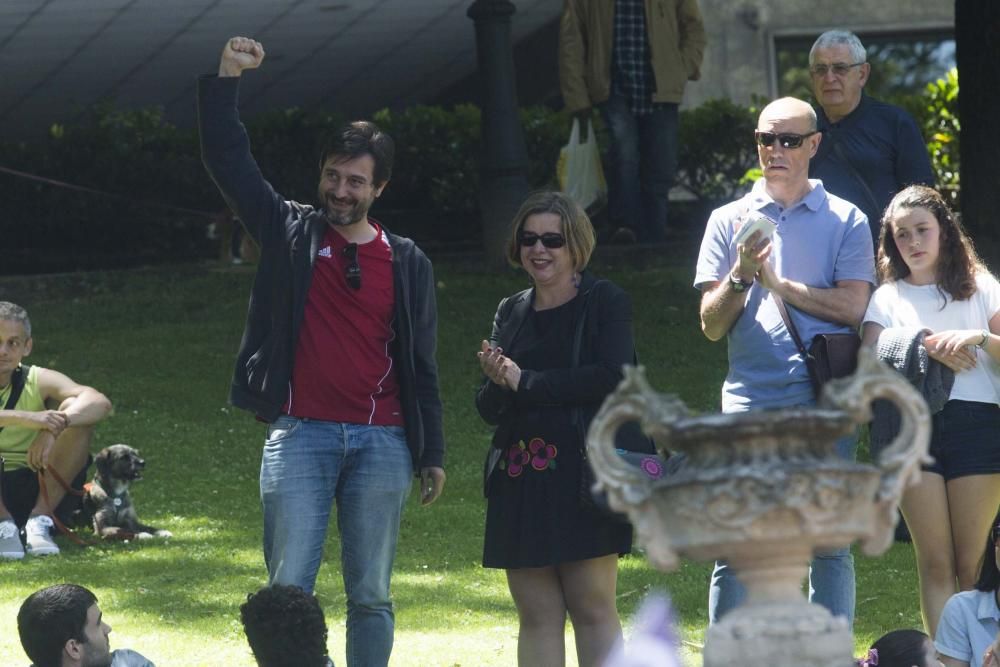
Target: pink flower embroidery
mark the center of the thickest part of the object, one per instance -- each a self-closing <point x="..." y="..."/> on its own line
<point x="517" y="458"/>
<point x="542" y="455"/>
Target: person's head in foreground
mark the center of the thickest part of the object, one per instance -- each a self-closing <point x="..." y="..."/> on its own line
<point x="285" y="627"/>
<point x="62" y="626"/>
<point x="901" y="648"/>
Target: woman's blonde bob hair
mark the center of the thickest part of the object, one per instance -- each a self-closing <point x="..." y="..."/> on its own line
<point x="574" y="223"/>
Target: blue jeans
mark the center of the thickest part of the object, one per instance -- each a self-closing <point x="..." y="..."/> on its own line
<point x="831" y="573"/>
<point x="307" y="465"/>
<point x="642" y="161"/>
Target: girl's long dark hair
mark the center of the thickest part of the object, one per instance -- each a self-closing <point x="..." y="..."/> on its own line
<point x="989" y="575"/>
<point x="957" y="263"/>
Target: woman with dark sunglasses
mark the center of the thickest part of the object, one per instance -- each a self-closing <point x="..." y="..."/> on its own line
<point x="968" y="632"/>
<point x="560" y="554"/>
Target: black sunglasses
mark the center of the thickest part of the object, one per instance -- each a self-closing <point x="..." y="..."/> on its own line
<point x="786" y="139"/>
<point x="549" y="239"/>
<point x="996" y="534"/>
<point x="352" y="270"/>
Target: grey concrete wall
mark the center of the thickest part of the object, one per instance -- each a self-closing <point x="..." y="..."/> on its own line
<point x="739" y="58"/>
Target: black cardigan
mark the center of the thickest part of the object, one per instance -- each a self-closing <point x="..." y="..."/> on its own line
<point x="607" y="345"/>
<point x="289" y="234"/>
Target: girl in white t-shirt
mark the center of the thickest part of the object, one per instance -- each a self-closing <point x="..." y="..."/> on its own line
<point x="932" y="278"/>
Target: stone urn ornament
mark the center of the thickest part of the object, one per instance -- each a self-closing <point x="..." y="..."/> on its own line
<point x="764" y="491"/>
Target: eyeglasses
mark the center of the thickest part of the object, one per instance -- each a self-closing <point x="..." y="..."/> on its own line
<point x="839" y="69"/>
<point x="352" y="270"/>
<point x="786" y="139"/>
<point x="549" y="239"/>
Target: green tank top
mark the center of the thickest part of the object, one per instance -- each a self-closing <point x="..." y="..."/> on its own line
<point x="15" y="440"/>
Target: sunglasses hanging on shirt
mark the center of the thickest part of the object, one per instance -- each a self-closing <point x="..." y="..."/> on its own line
<point x="352" y="270"/>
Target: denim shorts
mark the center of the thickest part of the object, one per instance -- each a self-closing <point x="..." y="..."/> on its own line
<point x="965" y="440"/>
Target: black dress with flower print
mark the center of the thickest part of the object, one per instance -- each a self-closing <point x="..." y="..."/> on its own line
<point x="534" y="517"/>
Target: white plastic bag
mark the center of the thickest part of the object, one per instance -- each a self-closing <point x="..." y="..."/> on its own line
<point x="579" y="169"/>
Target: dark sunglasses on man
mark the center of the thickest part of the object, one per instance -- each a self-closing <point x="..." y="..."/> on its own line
<point x="550" y="240"/>
<point x="786" y="139"/>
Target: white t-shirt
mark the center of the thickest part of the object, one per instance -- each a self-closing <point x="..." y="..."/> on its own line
<point x="900" y="304"/>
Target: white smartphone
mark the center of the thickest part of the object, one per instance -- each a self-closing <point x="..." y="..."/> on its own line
<point x="756" y="224"/>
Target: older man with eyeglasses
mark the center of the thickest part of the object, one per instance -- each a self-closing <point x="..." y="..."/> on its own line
<point x="870" y="150"/>
<point x="818" y="261"/>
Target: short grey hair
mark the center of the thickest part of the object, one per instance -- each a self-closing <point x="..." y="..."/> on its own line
<point x="13" y="312"/>
<point x="839" y="38"/>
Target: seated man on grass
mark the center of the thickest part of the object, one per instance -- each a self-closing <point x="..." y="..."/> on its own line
<point x="285" y="627"/>
<point x="62" y="626"/>
<point x="46" y="424"/>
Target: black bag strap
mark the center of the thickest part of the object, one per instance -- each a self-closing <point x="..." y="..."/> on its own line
<point x="790" y="325"/>
<point x="577" y="345"/>
<point x="17" y="381"/>
<point x="839" y="150"/>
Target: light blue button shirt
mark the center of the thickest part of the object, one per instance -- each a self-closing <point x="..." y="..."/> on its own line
<point x="969" y="624"/>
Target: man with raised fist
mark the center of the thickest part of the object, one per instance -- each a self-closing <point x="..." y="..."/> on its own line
<point x="338" y="357"/>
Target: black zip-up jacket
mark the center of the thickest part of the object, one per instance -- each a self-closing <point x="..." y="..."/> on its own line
<point x="289" y="234"/>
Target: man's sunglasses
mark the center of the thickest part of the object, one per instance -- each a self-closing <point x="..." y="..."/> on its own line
<point x="786" y="139"/>
<point x="549" y="239"/>
<point x="839" y="69"/>
<point x="352" y="270"/>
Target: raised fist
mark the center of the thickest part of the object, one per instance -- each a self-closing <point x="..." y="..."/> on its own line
<point x="240" y="53"/>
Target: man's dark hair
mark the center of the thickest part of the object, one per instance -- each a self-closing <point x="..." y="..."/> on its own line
<point x="285" y="627"/>
<point x="359" y="138"/>
<point x="51" y="617"/>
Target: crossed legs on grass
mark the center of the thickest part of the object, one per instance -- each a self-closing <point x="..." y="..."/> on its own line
<point x="67" y="458"/>
<point x="543" y="596"/>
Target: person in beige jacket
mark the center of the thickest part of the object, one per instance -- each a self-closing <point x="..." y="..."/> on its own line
<point x="632" y="60"/>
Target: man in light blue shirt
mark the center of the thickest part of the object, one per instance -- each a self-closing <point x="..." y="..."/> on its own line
<point x="820" y="262"/>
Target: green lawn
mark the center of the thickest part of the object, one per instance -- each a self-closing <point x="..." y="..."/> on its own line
<point x="160" y="342"/>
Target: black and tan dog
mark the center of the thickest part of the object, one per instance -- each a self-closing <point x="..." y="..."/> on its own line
<point x="107" y="498"/>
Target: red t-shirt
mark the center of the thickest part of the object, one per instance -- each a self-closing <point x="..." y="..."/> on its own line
<point x="344" y="370"/>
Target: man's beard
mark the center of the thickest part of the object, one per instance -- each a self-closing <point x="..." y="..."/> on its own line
<point x="345" y="217"/>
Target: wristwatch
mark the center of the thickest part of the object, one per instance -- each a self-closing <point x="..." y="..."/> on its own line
<point x="986" y="337"/>
<point x="739" y="285"/>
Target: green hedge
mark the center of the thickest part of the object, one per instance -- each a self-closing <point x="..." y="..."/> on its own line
<point x="150" y="166"/>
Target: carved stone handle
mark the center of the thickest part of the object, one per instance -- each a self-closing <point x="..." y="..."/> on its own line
<point x="900" y="461"/>
<point x="628" y="403"/>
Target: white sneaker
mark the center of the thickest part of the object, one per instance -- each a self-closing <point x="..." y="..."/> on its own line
<point x="10" y="541"/>
<point x="38" y="531"/>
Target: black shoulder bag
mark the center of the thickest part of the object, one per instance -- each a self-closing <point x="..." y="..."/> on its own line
<point x="830" y="355"/>
<point x="635" y="447"/>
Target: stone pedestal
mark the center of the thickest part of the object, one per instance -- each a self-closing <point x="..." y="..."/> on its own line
<point x="765" y="491"/>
